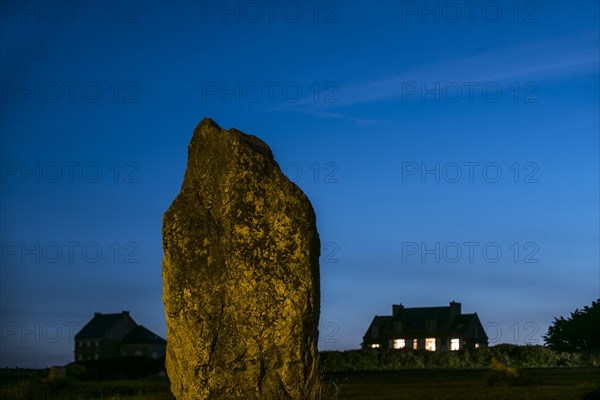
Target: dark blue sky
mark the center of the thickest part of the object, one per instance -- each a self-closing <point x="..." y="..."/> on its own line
<point x="450" y="150"/>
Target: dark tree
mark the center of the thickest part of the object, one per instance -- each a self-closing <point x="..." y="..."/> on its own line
<point x="580" y="332"/>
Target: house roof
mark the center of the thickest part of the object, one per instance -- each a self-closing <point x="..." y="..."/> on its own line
<point x="141" y="335"/>
<point x="448" y="320"/>
<point x="381" y="322"/>
<point x="99" y="325"/>
<point x="463" y="323"/>
<point x="415" y="318"/>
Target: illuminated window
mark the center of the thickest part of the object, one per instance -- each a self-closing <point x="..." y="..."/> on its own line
<point x="430" y="344"/>
<point x="415" y="344"/>
<point x="375" y="346"/>
<point x="476" y="345"/>
<point x="399" y="343"/>
<point x="454" y="344"/>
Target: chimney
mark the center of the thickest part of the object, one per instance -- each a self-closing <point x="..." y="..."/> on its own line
<point x="125" y="312"/>
<point x="97" y="314"/>
<point x="455" y="309"/>
<point x="396" y="308"/>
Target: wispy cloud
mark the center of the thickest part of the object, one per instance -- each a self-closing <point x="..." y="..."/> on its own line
<point x="556" y="58"/>
<point x="341" y="116"/>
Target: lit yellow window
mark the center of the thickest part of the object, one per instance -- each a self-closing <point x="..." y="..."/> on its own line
<point x="415" y="344"/>
<point x="399" y="343"/>
<point x="430" y="344"/>
<point x="454" y="344"/>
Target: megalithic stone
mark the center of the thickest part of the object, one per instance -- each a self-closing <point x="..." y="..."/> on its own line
<point x="240" y="275"/>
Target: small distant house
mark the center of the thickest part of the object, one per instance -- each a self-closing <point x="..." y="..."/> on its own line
<point x="428" y="328"/>
<point x="114" y="335"/>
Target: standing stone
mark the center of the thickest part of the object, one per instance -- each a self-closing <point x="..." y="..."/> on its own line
<point x="240" y="275"/>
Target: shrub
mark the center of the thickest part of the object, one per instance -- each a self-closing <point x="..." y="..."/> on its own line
<point x="518" y="356"/>
<point x="76" y="371"/>
<point x="501" y="374"/>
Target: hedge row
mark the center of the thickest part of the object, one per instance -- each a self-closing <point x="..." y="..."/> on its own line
<point x="128" y="367"/>
<point x="517" y="356"/>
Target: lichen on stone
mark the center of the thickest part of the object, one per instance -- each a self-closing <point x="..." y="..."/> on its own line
<point x="240" y="275"/>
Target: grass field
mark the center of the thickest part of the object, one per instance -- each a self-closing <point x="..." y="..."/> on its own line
<point x="542" y="384"/>
<point x="33" y="384"/>
<point x="425" y="384"/>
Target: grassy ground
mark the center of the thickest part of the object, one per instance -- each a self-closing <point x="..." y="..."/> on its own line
<point x="34" y="384"/>
<point x="542" y="384"/>
<point x="546" y="384"/>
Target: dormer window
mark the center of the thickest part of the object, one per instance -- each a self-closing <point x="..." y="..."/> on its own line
<point x="430" y="325"/>
<point x="398" y="326"/>
<point x="375" y="331"/>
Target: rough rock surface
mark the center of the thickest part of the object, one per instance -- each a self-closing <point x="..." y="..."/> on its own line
<point x="240" y="275"/>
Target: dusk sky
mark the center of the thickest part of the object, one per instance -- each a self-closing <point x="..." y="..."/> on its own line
<point x="450" y="151"/>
